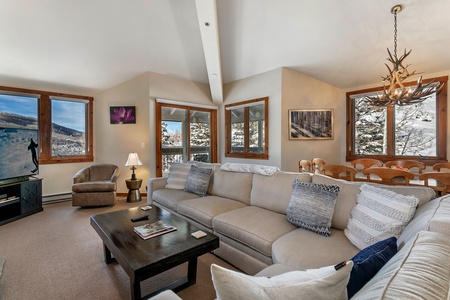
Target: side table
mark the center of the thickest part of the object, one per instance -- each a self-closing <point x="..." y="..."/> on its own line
<point x="134" y="195"/>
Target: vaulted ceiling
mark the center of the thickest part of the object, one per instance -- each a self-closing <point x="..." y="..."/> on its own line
<point x="91" y="45"/>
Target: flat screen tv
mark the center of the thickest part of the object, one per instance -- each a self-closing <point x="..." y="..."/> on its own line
<point x="18" y="154"/>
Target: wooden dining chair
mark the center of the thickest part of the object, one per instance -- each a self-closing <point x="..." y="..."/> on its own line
<point x="305" y="166"/>
<point x="442" y="167"/>
<point x="340" y="171"/>
<point x="317" y="165"/>
<point x="442" y="179"/>
<point x="360" y="164"/>
<point x="366" y="163"/>
<point x="409" y="165"/>
<point x="389" y="176"/>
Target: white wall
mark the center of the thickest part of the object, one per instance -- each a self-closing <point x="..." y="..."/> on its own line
<point x="267" y="84"/>
<point x="285" y="88"/>
<point x="113" y="142"/>
<point x="302" y="92"/>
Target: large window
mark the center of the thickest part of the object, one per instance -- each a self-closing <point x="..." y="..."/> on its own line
<point x="64" y="122"/>
<point x="247" y="127"/>
<point x="184" y="133"/>
<point x="397" y="132"/>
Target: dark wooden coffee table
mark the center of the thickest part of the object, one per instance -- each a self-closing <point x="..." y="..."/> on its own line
<point x="142" y="259"/>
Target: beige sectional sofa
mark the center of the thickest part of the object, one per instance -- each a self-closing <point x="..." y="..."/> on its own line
<point x="248" y="213"/>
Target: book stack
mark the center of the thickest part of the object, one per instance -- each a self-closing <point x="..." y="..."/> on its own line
<point x="153" y="229"/>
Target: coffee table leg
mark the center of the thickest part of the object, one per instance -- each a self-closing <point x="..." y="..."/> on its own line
<point x="192" y="270"/>
<point x="135" y="290"/>
<point x="107" y="255"/>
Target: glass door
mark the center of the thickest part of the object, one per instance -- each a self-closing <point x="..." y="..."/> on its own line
<point x="184" y="133"/>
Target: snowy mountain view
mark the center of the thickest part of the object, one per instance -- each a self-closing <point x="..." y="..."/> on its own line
<point x="65" y="141"/>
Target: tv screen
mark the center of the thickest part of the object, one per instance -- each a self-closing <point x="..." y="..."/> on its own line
<point x="18" y="153"/>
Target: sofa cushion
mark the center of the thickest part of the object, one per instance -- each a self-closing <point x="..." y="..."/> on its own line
<point x="94" y="186"/>
<point x="324" y="283"/>
<point x="420" y="270"/>
<point x="178" y="174"/>
<point x="432" y="216"/>
<point x="265" y="189"/>
<point x="379" y="214"/>
<point x="232" y="185"/>
<point x="304" y="249"/>
<point x="312" y="205"/>
<point x="368" y="262"/>
<point x="170" y="198"/>
<point x="255" y="227"/>
<point x="198" y="180"/>
<point x="204" y="209"/>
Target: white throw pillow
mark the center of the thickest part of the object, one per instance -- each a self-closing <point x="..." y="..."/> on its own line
<point x="324" y="283"/>
<point x="178" y="175"/>
<point x="378" y="215"/>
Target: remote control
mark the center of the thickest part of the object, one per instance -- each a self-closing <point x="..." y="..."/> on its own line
<point x="140" y="218"/>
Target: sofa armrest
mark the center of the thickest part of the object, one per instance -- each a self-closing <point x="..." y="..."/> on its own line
<point x="154" y="184"/>
<point x="115" y="175"/>
<point x="81" y="176"/>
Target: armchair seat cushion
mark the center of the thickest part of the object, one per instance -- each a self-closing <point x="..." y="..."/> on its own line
<point x="94" y="186"/>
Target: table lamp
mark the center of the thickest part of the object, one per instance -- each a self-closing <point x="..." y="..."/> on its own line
<point x="133" y="160"/>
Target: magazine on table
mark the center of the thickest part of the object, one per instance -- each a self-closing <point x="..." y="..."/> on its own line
<point x="153" y="229"/>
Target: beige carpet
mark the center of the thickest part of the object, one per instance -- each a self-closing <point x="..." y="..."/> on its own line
<point x="2" y="263"/>
<point x="56" y="254"/>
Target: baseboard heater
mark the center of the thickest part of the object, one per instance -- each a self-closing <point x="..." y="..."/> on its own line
<point x="49" y="199"/>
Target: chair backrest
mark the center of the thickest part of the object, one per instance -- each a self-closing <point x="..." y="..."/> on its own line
<point x="98" y="172"/>
<point x="407" y="164"/>
<point x="340" y="171"/>
<point x="366" y="163"/>
<point x="440" y="166"/>
<point x="442" y="181"/>
<point x="305" y="166"/>
<point x="317" y="165"/>
<point x="389" y="176"/>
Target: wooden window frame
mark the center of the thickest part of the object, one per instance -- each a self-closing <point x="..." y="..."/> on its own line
<point x="45" y="125"/>
<point x="441" y="121"/>
<point x="158" y="134"/>
<point x="246" y="153"/>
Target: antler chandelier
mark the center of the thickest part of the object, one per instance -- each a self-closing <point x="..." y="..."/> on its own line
<point x="397" y="93"/>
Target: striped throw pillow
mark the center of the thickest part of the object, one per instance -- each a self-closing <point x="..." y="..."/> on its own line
<point x="379" y="214"/>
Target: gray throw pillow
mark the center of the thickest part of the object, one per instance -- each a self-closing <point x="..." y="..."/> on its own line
<point x="312" y="206"/>
<point x="198" y="180"/>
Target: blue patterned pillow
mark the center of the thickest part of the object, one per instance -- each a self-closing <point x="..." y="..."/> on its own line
<point x="368" y="262"/>
<point x="198" y="180"/>
<point x="312" y="206"/>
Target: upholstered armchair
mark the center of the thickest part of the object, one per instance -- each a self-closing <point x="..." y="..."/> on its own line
<point x="95" y="185"/>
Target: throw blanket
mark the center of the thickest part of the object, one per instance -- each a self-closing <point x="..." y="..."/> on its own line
<point x="250" y="168"/>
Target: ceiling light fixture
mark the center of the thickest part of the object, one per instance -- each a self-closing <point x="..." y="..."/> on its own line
<point x="397" y="93"/>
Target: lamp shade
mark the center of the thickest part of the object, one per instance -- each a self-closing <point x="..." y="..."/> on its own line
<point x="133" y="160"/>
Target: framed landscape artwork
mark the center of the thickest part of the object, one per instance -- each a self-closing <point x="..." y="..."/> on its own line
<point x="310" y="124"/>
<point x="122" y="114"/>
